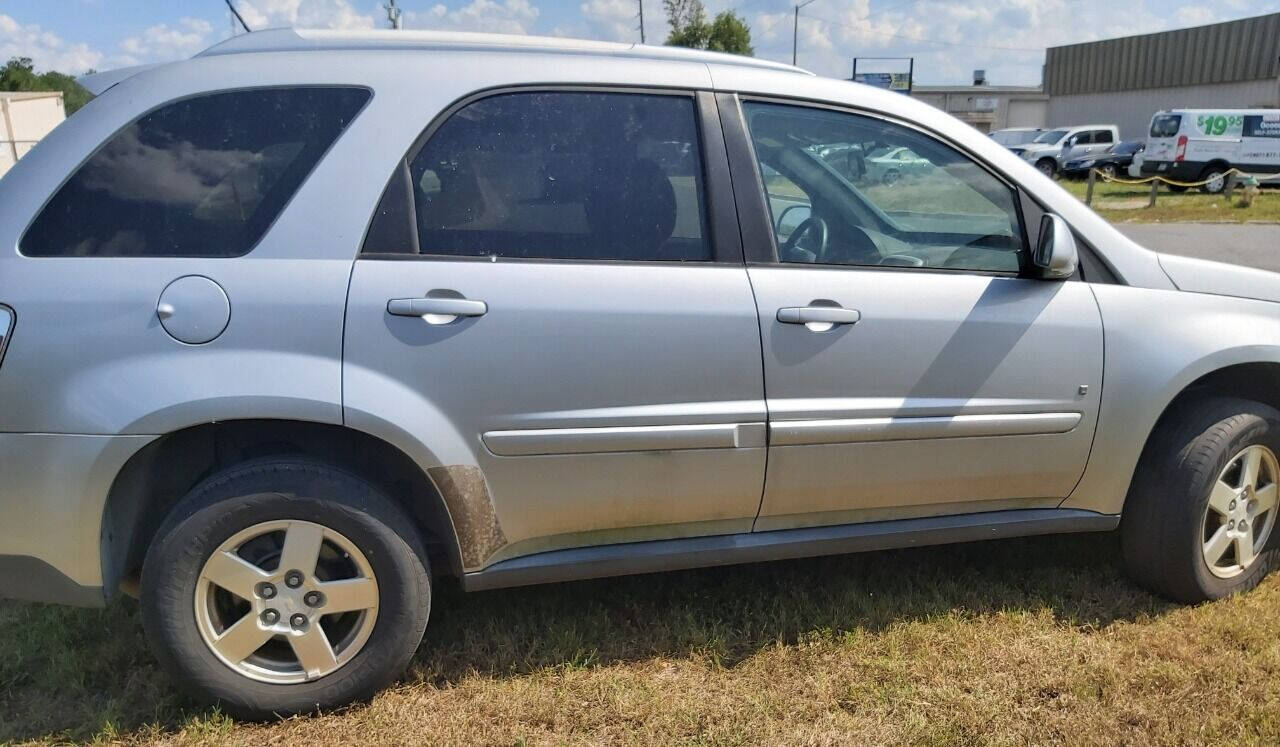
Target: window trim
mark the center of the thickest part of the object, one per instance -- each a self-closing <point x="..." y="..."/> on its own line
<point x="720" y="212"/>
<point x="170" y="102"/>
<point x="760" y="243"/>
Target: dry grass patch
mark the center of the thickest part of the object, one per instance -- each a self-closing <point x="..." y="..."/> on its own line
<point x="1026" y="641"/>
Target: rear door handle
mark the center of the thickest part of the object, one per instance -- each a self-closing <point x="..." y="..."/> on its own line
<point x="437" y="310"/>
<point x="824" y="317"/>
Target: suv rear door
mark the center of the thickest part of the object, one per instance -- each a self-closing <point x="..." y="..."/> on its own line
<point x="551" y="304"/>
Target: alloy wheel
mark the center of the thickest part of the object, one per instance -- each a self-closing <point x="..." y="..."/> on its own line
<point x="286" y="601"/>
<point x="1241" y="512"/>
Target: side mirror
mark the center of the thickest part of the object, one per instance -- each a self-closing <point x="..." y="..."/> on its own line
<point x="1055" y="254"/>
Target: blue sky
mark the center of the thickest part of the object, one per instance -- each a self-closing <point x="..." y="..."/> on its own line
<point x="948" y="38"/>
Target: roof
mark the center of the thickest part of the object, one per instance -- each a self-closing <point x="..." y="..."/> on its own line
<point x="1030" y="90"/>
<point x="322" y="40"/>
<point x="22" y="95"/>
<point x="1242" y="50"/>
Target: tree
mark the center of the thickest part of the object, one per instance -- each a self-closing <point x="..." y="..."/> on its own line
<point x="689" y="28"/>
<point x="19" y="75"/>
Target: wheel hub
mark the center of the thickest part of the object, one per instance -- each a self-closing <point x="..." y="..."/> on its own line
<point x="1241" y="512"/>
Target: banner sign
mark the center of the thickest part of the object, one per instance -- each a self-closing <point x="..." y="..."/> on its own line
<point x="900" y="82"/>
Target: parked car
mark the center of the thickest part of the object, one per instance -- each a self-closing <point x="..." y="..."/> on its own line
<point x="1015" y="136"/>
<point x="892" y="164"/>
<point x="1192" y="145"/>
<point x="1114" y="161"/>
<point x="299" y="325"/>
<point x="1051" y="149"/>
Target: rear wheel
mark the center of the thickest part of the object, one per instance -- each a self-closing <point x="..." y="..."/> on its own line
<point x="1108" y="170"/>
<point x="285" y="586"/>
<point x="1200" y="517"/>
<point x="1217" y="179"/>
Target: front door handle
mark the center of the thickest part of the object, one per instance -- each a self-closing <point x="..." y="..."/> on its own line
<point x="818" y="318"/>
<point x="437" y="310"/>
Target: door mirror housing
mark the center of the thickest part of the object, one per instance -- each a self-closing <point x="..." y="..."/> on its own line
<point x="1055" y="256"/>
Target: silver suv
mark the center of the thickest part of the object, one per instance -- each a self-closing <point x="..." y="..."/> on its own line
<point x="296" y="324"/>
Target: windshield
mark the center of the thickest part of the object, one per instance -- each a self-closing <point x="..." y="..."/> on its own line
<point x="1052" y="136"/>
<point x="1014" y="137"/>
<point x="1165" y="125"/>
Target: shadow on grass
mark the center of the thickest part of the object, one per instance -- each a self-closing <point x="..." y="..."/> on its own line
<point x="76" y="674"/>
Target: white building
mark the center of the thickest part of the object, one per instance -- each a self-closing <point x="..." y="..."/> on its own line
<point x="25" y="118"/>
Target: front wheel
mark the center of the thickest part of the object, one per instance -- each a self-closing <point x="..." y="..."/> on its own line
<point x="285" y="586"/>
<point x="1198" y="523"/>
<point x="1047" y="167"/>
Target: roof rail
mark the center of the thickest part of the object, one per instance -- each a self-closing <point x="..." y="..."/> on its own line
<point x="299" y="40"/>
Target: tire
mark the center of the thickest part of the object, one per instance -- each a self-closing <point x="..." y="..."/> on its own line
<point x="1168" y="521"/>
<point x="1217" y="173"/>
<point x="1108" y="170"/>
<point x="1047" y="167"/>
<point x="362" y="529"/>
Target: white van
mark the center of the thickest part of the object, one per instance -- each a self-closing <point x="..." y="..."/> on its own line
<point x="1196" y="144"/>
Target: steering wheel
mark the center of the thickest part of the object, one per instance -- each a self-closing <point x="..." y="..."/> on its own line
<point x="810" y="224"/>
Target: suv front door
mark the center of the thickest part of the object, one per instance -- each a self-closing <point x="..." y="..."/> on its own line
<point x="542" y="314"/>
<point x="910" y="368"/>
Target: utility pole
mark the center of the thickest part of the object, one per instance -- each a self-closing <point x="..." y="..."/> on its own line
<point x="795" y="31"/>
<point x="393" y="14"/>
<point x="641" y="21"/>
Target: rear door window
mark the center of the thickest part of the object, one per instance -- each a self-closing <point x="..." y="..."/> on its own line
<point x="573" y="175"/>
<point x="200" y="177"/>
<point x="1102" y="136"/>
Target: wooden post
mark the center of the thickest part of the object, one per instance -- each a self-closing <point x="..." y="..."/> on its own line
<point x="1088" y="192"/>
<point x="1231" y="186"/>
<point x="1155" y="185"/>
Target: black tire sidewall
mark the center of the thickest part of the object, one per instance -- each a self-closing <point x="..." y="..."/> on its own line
<point x="267" y="491"/>
<point x="1253" y="428"/>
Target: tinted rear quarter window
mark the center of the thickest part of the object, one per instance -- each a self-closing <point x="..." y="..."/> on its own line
<point x="562" y="175"/>
<point x="200" y="177"/>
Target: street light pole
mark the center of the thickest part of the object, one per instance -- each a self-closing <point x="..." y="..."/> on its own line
<point x="795" y="30"/>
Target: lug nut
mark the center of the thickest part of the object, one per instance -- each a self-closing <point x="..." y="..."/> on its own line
<point x="1231" y="524"/>
<point x="298" y="621"/>
<point x="313" y="599"/>
<point x="266" y="591"/>
<point x="270" y="617"/>
<point x="293" y="579"/>
<point x="1232" y="507"/>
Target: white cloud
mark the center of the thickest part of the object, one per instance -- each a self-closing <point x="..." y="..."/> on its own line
<point x="328" y="14"/>
<point x="612" y="20"/>
<point x="495" y="16"/>
<point x="46" y="49"/>
<point x="1007" y="38"/>
<point x="162" y="42"/>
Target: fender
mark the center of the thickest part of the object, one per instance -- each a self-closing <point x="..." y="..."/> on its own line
<point x="1156" y="344"/>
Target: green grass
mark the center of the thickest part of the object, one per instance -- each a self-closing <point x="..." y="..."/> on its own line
<point x="1036" y="640"/>
<point x="1122" y="203"/>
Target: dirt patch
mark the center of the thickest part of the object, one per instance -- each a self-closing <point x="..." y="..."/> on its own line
<point x="467" y="495"/>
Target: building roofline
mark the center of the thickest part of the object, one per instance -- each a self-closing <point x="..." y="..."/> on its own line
<point x="324" y="40"/>
<point x="1166" y="32"/>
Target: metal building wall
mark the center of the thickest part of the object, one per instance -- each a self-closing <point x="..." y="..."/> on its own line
<point x="1243" y="50"/>
<point x="1132" y="110"/>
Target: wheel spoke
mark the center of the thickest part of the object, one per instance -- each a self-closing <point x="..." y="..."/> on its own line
<point x="241" y="639"/>
<point x="1251" y="467"/>
<point x="313" y="651"/>
<point x="1244" y="548"/>
<point x="1266" y="498"/>
<point x="301" y="547"/>
<point x="1221" y="497"/>
<point x="234" y="573"/>
<point x="1217" y="545"/>
<point x="349" y="595"/>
